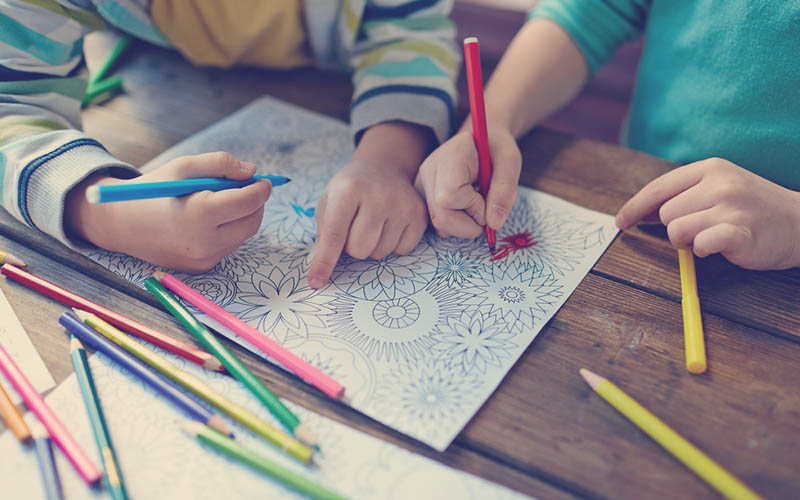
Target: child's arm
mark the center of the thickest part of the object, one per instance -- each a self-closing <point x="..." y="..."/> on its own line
<point x="715" y="206"/>
<point x="47" y="163"/>
<point x="405" y="63"/>
<point x="544" y="68"/>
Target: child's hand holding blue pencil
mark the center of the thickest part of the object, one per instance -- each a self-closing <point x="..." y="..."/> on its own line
<point x="186" y="215"/>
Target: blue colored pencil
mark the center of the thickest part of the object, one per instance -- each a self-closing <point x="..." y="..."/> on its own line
<point x="47" y="463"/>
<point x="102" y="193"/>
<point x="113" y="473"/>
<point x="141" y="371"/>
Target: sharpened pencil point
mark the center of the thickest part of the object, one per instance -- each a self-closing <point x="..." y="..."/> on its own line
<point x="158" y="275"/>
<point x="216" y="423"/>
<point x="81" y="314"/>
<point x="591" y="378"/>
<point x="213" y="364"/>
<point x="74" y="344"/>
<point x="192" y="427"/>
<point x="11" y="259"/>
<point x="305" y="436"/>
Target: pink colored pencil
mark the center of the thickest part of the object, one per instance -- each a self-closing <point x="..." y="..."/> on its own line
<point x="273" y="349"/>
<point x="34" y="401"/>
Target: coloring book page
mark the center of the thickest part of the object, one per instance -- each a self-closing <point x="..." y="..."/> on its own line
<point x="159" y="461"/>
<point x="16" y="342"/>
<point x="420" y="341"/>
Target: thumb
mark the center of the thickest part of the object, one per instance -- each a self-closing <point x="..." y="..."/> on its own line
<point x="506" y="168"/>
<point x="217" y="164"/>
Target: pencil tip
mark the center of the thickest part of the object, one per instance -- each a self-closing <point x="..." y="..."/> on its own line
<point x="591" y="378"/>
<point x="13" y="260"/>
<point x="158" y="275"/>
<point x="305" y="436"/>
<point x="192" y="427"/>
<point x="74" y="344"/>
<point x="80" y="313"/>
<point x="216" y="423"/>
<point x="213" y="364"/>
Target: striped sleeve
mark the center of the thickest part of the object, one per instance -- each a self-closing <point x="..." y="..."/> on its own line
<point x="598" y="27"/>
<point x="42" y="152"/>
<point x="405" y="64"/>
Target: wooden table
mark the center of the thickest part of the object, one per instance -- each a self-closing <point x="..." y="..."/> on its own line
<point x="542" y="432"/>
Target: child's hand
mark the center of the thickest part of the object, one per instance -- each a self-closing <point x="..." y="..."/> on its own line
<point x="446" y="180"/>
<point x="715" y="206"/>
<point x="370" y="208"/>
<point x="191" y="233"/>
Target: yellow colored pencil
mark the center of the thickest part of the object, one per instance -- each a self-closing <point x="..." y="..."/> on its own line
<point x="688" y="454"/>
<point x="197" y="387"/>
<point x="692" y="320"/>
<point x="7" y="258"/>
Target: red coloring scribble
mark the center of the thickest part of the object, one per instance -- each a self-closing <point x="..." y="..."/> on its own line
<point x="512" y="243"/>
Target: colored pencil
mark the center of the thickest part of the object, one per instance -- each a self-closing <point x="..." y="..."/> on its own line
<point x="35" y="403"/>
<point x="694" y="345"/>
<point x="231" y="362"/>
<point x="151" y="335"/>
<point x="119" y="48"/>
<point x="100" y="88"/>
<point x="141" y="371"/>
<point x="47" y="463"/>
<point x="8" y="258"/>
<point x="103" y="193"/>
<point x="697" y="461"/>
<point x="198" y="388"/>
<point x="108" y="457"/>
<point x="232" y="449"/>
<point x="13" y="418"/>
<point x="480" y="134"/>
<point x="290" y="361"/>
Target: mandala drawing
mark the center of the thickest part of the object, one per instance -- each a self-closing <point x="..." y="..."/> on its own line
<point x="252" y="255"/>
<point x="390" y="278"/>
<point x="420" y="341"/>
<point x="395" y="330"/>
<point x="421" y="396"/>
<point x="455" y="267"/>
<point x="474" y="341"/>
<point x="519" y="296"/>
<point x="279" y="304"/>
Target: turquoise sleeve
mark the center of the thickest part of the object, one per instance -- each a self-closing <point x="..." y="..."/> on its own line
<point x="598" y="27"/>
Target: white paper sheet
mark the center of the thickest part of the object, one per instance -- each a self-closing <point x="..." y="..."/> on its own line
<point x="15" y="340"/>
<point x="420" y="341"/>
<point x="159" y="461"/>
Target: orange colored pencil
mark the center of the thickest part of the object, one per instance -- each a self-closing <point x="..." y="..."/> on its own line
<point x="13" y="418"/>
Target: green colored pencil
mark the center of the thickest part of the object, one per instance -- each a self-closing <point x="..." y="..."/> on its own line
<point x="230" y="362"/>
<point x="231" y="448"/>
<point x="113" y="474"/>
<point x="197" y="387"/>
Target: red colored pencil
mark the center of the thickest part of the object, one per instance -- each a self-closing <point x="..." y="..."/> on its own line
<point x="121" y="321"/>
<point x="472" y="58"/>
<point x="55" y="428"/>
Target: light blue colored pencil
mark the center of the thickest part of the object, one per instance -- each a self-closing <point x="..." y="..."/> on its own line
<point x="104" y="193"/>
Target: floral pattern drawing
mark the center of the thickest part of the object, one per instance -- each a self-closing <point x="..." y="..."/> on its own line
<point x="420" y="341"/>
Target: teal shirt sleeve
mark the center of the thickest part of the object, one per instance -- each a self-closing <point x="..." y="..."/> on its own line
<point x="598" y="27"/>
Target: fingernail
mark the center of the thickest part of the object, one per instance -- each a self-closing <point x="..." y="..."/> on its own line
<point x="247" y="167"/>
<point x="316" y="282"/>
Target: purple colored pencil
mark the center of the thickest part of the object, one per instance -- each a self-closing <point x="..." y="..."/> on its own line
<point x="96" y="341"/>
